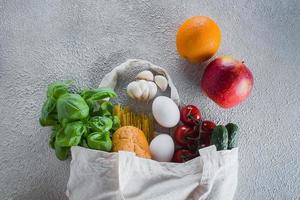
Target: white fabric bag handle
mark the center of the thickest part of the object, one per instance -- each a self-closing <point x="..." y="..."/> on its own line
<point x="110" y="79"/>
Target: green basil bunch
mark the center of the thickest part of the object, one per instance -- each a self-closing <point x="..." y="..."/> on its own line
<point x="84" y="118"/>
<point x="225" y="137"/>
<point x="71" y="107"/>
<point x="49" y="112"/>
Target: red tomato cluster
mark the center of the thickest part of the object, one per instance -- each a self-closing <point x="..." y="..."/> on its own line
<point x="192" y="135"/>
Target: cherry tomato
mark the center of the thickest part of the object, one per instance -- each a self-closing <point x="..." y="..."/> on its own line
<point x="190" y="115"/>
<point x="184" y="135"/>
<point x="183" y="155"/>
<point x="208" y="126"/>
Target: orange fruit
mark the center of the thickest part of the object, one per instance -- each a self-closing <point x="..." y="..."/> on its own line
<point x="198" y="39"/>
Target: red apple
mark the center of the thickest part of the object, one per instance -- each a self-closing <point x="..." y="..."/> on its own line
<point x="227" y="81"/>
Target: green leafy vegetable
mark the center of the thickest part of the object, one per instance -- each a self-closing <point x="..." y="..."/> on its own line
<point x="116" y="123"/>
<point x="83" y="143"/>
<point x="97" y="94"/>
<point x="71" y="107"/>
<point x="52" y="138"/>
<point x="71" y="134"/>
<point x="233" y="135"/>
<point x="99" y="141"/>
<point x="48" y="116"/>
<point x="62" y="153"/>
<point x="106" y="106"/>
<point x="55" y="90"/>
<point x="93" y="96"/>
<point x="85" y="119"/>
<point x="220" y="137"/>
<point x="100" y="124"/>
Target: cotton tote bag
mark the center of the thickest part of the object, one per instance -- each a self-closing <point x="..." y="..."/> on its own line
<point x="98" y="175"/>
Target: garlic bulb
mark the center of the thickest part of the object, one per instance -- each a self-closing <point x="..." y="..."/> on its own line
<point x="142" y="90"/>
<point x="145" y="75"/>
<point x="134" y="91"/>
<point x="161" y="82"/>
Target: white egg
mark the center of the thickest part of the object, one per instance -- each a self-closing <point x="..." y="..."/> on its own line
<point x="162" y="148"/>
<point x="165" y="111"/>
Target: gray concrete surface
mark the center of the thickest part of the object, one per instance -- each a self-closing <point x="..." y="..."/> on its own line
<point x="43" y="41"/>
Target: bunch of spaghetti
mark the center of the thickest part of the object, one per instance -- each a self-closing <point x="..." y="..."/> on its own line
<point x="143" y="121"/>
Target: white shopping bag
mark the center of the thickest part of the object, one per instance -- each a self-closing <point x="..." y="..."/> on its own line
<point x="98" y="175"/>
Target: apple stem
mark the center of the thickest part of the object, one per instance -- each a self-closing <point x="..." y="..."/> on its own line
<point x="243" y="62"/>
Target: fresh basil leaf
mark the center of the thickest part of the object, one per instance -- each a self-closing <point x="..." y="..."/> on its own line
<point x="97" y="94"/>
<point x="105" y="113"/>
<point x="220" y="137"/>
<point x="116" y="123"/>
<point x="56" y="89"/>
<point x="100" y="141"/>
<point x="48" y="115"/>
<point x="233" y="135"/>
<point x="102" y="95"/>
<point x="71" y="107"/>
<point x="83" y="143"/>
<point x="71" y="134"/>
<point x="62" y="153"/>
<point x="100" y="124"/>
<point x="107" y="106"/>
<point x="52" y="139"/>
<point x="55" y="130"/>
<point x="93" y="96"/>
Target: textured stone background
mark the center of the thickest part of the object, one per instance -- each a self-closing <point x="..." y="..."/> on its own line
<point x="42" y="41"/>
